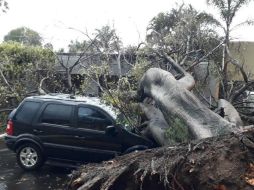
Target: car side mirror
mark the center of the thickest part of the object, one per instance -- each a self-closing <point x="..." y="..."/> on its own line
<point x="111" y="130"/>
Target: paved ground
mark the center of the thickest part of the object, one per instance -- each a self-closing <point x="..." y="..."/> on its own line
<point x="14" y="178"/>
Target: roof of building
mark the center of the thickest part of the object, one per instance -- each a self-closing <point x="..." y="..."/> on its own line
<point x="69" y="59"/>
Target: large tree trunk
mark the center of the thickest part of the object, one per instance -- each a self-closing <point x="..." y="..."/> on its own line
<point x="218" y="163"/>
<point x="175" y="101"/>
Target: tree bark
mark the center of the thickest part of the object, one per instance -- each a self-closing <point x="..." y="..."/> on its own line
<point x="218" y="163"/>
<point x="156" y="124"/>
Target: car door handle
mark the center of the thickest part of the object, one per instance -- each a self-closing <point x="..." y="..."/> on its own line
<point x="80" y="137"/>
<point x="37" y="131"/>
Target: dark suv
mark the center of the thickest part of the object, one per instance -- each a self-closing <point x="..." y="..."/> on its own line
<point x="64" y="128"/>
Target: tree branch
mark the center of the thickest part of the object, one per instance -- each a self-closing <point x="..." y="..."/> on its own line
<point x="5" y="80"/>
<point x="205" y="56"/>
<point x="238" y="65"/>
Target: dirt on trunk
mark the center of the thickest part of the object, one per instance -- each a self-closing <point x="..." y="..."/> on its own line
<point x="218" y="163"/>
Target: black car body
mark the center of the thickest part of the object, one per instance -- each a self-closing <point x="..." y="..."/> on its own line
<point x="64" y="128"/>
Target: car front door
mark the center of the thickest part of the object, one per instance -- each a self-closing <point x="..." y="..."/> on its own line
<point x="91" y="125"/>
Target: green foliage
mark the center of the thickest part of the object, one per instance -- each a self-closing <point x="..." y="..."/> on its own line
<point x="139" y="69"/>
<point x="105" y="41"/>
<point x="228" y="9"/>
<point x="122" y="94"/>
<point x="25" y="36"/>
<point x="119" y="92"/>
<point x="79" y="47"/>
<point x="178" y="24"/>
<point x="178" y="132"/>
<point x="92" y="74"/>
<point x="184" y="34"/>
<point x="3" y="121"/>
<point x="129" y="109"/>
<point x="49" y="46"/>
<point x="17" y="53"/>
<point x="114" y="90"/>
<point x="22" y="68"/>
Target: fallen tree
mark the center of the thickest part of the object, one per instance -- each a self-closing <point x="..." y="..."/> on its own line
<point x="206" y="164"/>
<point x="219" y="158"/>
<point x="218" y="163"/>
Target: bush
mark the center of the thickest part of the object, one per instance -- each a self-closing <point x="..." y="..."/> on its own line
<point x="3" y="121"/>
<point x="178" y="133"/>
<point x="22" y="68"/>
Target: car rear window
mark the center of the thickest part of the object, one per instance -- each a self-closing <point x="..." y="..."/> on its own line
<point x="57" y="114"/>
<point x="27" y="112"/>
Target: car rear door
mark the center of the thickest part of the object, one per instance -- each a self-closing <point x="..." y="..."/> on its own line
<point x="22" y="117"/>
<point x="54" y="126"/>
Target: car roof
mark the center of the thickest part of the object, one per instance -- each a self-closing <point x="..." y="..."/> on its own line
<point x="76" y="100"/>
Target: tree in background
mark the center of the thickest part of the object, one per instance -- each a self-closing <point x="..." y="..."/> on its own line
<point x="103" y="43"/>
<point x="107" y="41"/>
<point x="92" y="54"/>
<point x="3" y="5"/>
<point x="24" y="36"/>
<point x="78" y="47"/>
<point x="184" y="35"/>
<point x="49" y="46"/>
<point x="228" y="10"/>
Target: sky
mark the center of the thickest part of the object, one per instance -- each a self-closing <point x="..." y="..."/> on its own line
<point x="52" y="19"/>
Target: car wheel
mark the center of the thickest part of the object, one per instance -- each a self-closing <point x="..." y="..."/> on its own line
<point x="29" y="157"/>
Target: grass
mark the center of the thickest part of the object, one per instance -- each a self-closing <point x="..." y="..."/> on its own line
<point x="178" y="132"/>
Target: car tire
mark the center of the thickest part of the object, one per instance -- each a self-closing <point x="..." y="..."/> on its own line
<point x="29" y="157"/>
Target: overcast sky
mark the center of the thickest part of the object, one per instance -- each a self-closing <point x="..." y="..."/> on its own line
<point x="52" y="18"/>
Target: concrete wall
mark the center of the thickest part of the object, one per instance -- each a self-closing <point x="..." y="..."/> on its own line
<point x="207" y="83"/>
<point x="244" y="53"/>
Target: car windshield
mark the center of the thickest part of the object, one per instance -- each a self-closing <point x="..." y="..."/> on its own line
<point x="123" y="122"/>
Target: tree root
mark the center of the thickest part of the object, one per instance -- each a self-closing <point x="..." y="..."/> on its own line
<point x="211" y="163"/>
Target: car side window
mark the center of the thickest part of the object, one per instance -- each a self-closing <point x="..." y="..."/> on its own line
<point x="91" y="118"/>
<point x="27" y="112"/>
<point x="57" y="114"/>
